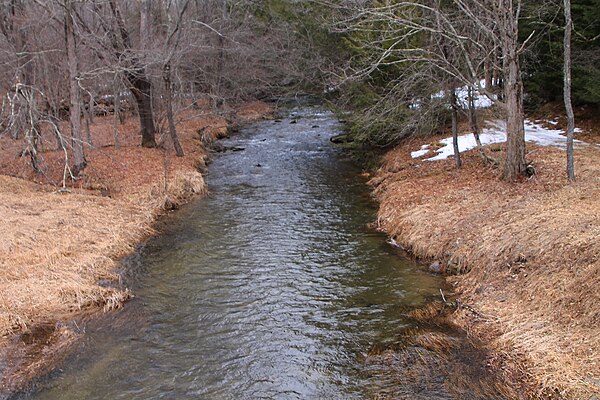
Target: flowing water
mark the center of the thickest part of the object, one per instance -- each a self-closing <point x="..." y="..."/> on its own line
<point x="272" y="287"/>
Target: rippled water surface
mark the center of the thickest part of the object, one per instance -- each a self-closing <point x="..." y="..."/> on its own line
<point x="272" y="287"/>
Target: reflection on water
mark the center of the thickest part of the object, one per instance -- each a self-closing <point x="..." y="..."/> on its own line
<point x="272" y="287"/>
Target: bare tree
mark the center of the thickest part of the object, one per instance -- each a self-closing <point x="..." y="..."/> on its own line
<point x="23" y="116"/>
<point x="172" y="42"/>
<point x="74" y="94"/>
<point x="116" y="110"/>
<point x="454" y="110"/>
<point x="134" y="71"/>
<point x="469" y="35"/>
<point x="515" y="164"/>
<point x="567" y="91"/>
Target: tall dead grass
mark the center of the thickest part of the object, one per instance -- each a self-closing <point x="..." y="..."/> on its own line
<point x="169" y="193"/>
<point x="55" y="247"/>
<point x="59" y="251"/>
<point x="526" y="255"/>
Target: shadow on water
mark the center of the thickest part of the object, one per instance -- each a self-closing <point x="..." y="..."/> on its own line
<point x="272" y="287"/>
<point x="433" y="359"/>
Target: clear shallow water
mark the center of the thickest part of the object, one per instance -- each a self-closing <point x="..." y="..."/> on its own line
<point x="272" y="287"/>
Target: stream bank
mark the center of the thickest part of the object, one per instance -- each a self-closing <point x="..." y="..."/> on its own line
<point x="523" y="258"/>
<point x="274" y="286"/>
<point x="60" y="250"/>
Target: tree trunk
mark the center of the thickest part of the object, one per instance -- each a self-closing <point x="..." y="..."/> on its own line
<point x="140" y="84"/>
<point x="87" y="117"/>
<point x="91" y="111"/>
<point x="514" y="163"/>
<point x="145" y="9"/>
<point x="454" y="107"/>
<point x="141" y="87"/>
<point x="567" y="91"/>
<point x="75" y="104"/>
<point x="474" y="125"/>
<point x="24" y="114"/>
<point x="170" y="118"/>
<point x="116" y="101"/>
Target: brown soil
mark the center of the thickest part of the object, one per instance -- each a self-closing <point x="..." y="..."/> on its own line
<point x="525" y="258"/>
<point x="59" y="248"/>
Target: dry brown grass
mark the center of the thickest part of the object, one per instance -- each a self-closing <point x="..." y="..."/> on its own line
<point x="527" y="255"/>
<point x="54" y="249"/>
<point x="254" y="111"/>
<point x="57" y="247"/>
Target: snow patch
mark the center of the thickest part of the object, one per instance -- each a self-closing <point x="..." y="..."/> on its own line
<point x="419" y="153"/>
<point x="496" y="133"/>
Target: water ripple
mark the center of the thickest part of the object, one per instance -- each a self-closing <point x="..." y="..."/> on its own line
<point x="272" y="287"/>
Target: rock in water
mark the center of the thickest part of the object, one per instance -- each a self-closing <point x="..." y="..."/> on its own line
<point x="343" y="138"/>
<point x="436" y="267"/>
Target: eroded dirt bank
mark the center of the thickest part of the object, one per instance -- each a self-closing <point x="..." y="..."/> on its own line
<point x="523" y="257"/>
<point x="59" y="249"/>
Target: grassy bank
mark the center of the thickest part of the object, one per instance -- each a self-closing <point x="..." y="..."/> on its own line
<point x="59" y="249"/>
<point x="524" y="257"/>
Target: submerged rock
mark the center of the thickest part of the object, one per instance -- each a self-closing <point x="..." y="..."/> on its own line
<point x="343" y="138"/>
<point x="436" y="267"/>
<point x="219" y="148"/>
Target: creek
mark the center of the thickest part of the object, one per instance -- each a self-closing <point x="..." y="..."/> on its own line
<point x="271" y="287"/>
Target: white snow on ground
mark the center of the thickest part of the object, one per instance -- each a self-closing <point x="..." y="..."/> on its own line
<point x="419" y="153"/>
<point x="496" y="133"/>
